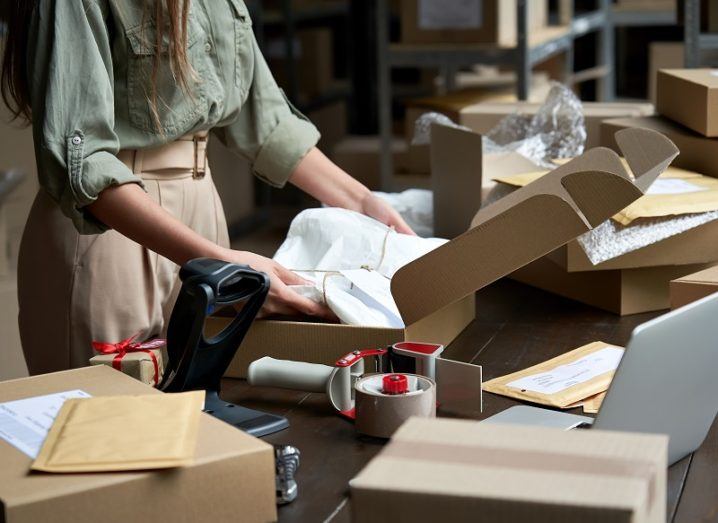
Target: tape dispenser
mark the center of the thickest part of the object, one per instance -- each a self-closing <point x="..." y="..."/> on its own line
<point x="407" y="380"/>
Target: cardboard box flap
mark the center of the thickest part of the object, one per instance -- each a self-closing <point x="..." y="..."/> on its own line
<point x="554" y="210"/>
<point x="643" y="150"/>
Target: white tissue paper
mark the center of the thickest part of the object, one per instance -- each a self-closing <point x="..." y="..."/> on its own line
<point x="350" y="259"/>
<point x="416" y="206"/>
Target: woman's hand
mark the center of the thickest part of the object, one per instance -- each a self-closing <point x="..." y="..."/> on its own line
<point x="319" y="177"/>
<point x="281" y="299"/>
<point x="380" y="210"/>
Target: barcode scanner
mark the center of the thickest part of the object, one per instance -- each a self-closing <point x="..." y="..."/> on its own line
<point x="196" y="362"/>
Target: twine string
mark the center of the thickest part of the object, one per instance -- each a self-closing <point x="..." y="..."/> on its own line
<point x="328" y="273"/>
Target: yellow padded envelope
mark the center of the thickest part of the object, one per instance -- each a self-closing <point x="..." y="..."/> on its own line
<point x="115" y="433"/>
<point x="675" y="192"/>
<point x="565" y="381"/>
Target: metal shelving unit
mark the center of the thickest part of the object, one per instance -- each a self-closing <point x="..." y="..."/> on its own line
<point x="621" y="17"/>
<point x="696" y="42"/>
<point x="530" y="50"/>
<point x="289" y="20"/>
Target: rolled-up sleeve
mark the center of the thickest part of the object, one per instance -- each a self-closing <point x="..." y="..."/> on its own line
<point x="272" y="134"/>
<point x="72" y="94"/>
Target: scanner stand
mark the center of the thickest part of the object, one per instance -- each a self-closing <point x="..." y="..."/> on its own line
<point x="196" y="362"/>
<point x="254" y="422"/>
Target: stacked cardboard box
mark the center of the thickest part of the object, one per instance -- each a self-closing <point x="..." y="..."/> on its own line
<point x="639" y="281"/>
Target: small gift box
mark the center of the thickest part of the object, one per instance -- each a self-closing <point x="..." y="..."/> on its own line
<point x="142" y="361"/>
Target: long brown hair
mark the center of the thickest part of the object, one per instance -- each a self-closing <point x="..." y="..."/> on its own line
<point x="170" y="20"/>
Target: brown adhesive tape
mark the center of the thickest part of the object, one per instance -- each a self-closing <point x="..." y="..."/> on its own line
<point x="379" y="414"/>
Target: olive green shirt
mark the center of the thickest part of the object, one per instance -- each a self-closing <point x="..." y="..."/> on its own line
<point x="90" y="65"/>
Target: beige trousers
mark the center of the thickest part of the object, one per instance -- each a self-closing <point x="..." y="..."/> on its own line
<point x="74" y="288"/>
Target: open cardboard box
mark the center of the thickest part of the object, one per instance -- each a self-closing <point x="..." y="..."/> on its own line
<point x="434" y="293"/>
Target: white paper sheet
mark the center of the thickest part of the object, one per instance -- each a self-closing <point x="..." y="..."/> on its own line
<point x="332" y="248"/>
<point x="565" y="376"/>
<point x="450" y="14"/>
<point x="25" y="423"/>
<point x="375" y="290"/>
<point x="673" y="186"/>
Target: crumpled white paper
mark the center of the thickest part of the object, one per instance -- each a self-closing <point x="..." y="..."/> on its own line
<point x="416" y="206"/>
<point x="350" y="260"/>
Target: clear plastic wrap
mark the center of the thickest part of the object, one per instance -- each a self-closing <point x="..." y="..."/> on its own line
<point x="422" y="127"/>
<point x="557" y="130"/>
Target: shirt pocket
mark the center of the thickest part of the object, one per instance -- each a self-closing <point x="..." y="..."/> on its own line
<point x="243" y="46"/>
<point x="176" y="109"/>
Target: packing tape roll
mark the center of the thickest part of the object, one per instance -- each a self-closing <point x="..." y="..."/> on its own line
<point x="379" y="414"/>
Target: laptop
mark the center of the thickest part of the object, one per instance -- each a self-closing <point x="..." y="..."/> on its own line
<point x="666" y="383"/>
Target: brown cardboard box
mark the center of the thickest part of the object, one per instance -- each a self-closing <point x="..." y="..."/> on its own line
<point x="331" y="120"/>
<point x="231" y="478"/>
<point x="698" y="153"/>
<point x="476" y="21"/>
<point x="453" y="106"/>
<point x="483" y="117"/>
<point x="693" y="287"/>
<point x="698" y="245"/>
<point x="689" y="97"/>
<point x="434" y="293"/>
<point x="621" y="291"/>
<point x="359" y="156"/>
<point x="313" y="59"/>
<point x="663" y="55"/>
<point x="459" y="470"/>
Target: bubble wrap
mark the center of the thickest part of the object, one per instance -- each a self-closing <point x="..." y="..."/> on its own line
<point x="557" y="130"/>
<point x="611" y="239"/>
<point x="422" y="127"/>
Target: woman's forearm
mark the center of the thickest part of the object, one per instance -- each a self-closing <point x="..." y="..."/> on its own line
<point x="319" y="177"/>
<point x="131" y="212"/>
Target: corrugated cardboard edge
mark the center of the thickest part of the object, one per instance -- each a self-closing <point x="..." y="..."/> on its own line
<point x="555" y="209"/>
<point x="455" y="178"/>
<point x="54" y="498"/>
<point x="374" y="492"/>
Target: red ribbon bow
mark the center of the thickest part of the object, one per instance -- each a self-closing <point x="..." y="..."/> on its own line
<point x="130" y="345"/>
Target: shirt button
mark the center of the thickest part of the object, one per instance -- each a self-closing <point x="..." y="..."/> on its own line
<point x="208" y="47"/>
<point x="76" y="140"/>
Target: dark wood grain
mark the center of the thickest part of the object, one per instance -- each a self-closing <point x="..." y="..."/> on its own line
<point x="516" y="326"/>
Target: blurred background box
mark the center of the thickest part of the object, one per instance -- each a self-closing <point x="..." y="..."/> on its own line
<point x="689" y="97"/>
<point x="662" y="55"/>
<point x="359" y="155"/>
<point x="313" y="55"/>
<point x="466" y="22"/>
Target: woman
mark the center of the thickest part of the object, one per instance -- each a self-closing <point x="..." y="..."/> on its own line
<point x="122" y="95"/>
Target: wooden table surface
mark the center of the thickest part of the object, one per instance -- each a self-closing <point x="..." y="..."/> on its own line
<point x="516" y="327"/>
